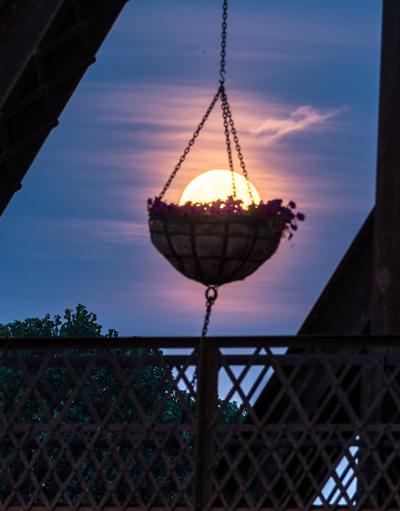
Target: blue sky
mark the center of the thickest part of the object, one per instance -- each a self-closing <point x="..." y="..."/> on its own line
<point x="302" y="81"/>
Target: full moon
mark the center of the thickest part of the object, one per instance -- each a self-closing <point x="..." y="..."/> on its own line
<point x="217" y="184"/>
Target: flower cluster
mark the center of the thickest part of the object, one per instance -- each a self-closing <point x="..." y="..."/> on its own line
<point x="279" y="218"/>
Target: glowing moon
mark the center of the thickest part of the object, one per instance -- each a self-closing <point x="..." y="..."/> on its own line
<point x="217" y="184"/>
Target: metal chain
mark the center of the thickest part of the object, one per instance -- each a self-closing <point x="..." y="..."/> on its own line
<point x="226" y="113"/>
<point x="210" y="299"/>
<point x="223" y="41"/>
<point x="191" y="142"/>
<point x="225" y="106"/>
<point x="228" y="118"/>
<point x="228" y="121"/>
<point x="225" y="110"/>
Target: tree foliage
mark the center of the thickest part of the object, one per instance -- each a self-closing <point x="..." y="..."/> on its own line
<point x="150" y="392"/>
<point x="79" y="324"/>
<point x="82" y="323"/>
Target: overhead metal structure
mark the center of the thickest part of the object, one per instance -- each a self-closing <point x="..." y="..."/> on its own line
<point x="344" y="307"/>
<point x="363" y="295"/>
<point x="46" y="47"/>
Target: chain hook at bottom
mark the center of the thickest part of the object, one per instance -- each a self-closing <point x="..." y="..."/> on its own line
<point x="211" y="296"/>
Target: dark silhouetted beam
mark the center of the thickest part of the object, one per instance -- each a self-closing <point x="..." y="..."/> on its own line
<point x="385" y="298"/>
<point x="46" y="47"/>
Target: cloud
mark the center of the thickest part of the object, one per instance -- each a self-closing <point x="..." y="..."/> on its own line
<point x="109" y="231"/>
<point x="300" y="120"/>
<point x="149" y="125"/>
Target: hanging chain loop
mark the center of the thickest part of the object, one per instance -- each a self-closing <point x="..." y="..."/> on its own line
<point x="227" y="115"/>
<point x="228" y="121"/>
<point x="225" y="110"/>
<point x="191" y="142"/>
<point x="211" y="296"/>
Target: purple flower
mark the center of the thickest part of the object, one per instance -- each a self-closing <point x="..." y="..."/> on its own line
<point x="273" y="206"/>
<point x="279" y="218"/>
<point x="158" y="206"/>
<point x="287" y="215"/>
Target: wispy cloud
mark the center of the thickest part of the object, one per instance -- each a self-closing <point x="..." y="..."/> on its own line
<point x="299" y="120"/>
<point x="109" y="231"/>
<point x="151" y="125"/>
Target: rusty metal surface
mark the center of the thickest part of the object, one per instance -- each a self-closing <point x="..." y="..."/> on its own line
<point x="46" y="47"/>
<point x="119" y="425"/>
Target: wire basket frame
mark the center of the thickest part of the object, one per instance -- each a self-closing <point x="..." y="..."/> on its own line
<point x="213" y="249"/>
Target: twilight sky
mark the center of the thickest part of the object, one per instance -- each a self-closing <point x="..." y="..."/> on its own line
<point x="302" y="81"/>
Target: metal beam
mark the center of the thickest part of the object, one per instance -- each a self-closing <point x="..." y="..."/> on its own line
<point x="343" y="308"/>
<point x="385" y="296"/>
<point x="46" y="47"/>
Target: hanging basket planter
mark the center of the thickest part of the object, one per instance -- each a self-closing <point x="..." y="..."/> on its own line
<point x="214" y="240"/>
<point x="213" y="249"/>
<point x="219" y="242"/>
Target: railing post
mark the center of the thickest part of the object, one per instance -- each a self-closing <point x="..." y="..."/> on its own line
<point x="207" y="402"/>
<point x="371" y="387"/>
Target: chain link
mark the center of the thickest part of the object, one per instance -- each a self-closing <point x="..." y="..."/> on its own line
<point x="211" y="296"/>
<point x="223" y="41"/>
<point x="228" y="121"/>
<point x="225" y="110"/>
<point x="191" y="142"/>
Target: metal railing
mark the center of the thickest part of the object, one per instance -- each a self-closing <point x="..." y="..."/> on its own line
<point x="220" y="423"/>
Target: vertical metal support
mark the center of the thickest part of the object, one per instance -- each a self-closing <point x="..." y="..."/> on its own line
<point x="385" y="299"/>
<point x="371" y="387"/>
<point x="207" y="402"/>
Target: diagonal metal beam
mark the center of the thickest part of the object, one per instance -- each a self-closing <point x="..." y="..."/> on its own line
<point x="46" y="47"/>
<point x="344" y="305"/>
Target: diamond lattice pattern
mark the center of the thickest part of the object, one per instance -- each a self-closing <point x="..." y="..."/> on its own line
<point x="95" y="428"/>
<point x="323" y="431"/>
<point x="280" y="429"/>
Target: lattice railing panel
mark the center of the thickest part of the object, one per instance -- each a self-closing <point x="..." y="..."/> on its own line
<point x="96" y="428"/>
<point x="320" y="409"/>
<point x="211" y="424"/>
